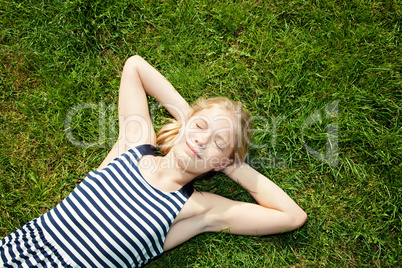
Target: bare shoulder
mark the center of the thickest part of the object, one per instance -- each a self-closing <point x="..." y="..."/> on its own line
<point x="198" y="204"/>
<point x="192" y="219"/>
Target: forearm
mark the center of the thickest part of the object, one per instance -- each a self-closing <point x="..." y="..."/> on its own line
<point x="156" y="85"/>
<point x="263" y="190"/>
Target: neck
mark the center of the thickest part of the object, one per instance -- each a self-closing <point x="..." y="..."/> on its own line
<point x="169" y="171"/>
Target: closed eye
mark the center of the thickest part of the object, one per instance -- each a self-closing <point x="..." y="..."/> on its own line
<point x="200" y="124"/>
<point x="217" y="146"/>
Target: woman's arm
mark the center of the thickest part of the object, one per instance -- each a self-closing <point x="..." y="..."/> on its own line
<point x="138" y="71"/>
<point x="264" y="191"/>
<point x="138" y="79"/>
<point x="276" y="212"/>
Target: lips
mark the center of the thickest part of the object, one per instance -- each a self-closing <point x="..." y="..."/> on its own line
<point x="194" y="151"/>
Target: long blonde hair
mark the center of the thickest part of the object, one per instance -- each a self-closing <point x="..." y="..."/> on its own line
<point x="167" y="134"/>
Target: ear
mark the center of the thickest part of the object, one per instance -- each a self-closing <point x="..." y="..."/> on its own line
<point x="224" y="163"/>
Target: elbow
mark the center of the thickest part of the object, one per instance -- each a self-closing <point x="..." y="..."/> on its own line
<point x="299" y="219"/>
<point x="135" y="57"/>
<point x="133" y="60"/>
<point x="302" y="219"/>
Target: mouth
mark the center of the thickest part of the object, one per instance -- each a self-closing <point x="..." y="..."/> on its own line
<point x="194" y="152"/>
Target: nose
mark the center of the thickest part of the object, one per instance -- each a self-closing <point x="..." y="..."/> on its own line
<point x="202" y="139"/>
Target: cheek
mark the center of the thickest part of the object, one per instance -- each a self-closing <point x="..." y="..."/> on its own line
<point x="190" y="134"/>
<point x="215" y="155"/>
<point x="214" y="162"/>
<point x="219" y="162"/>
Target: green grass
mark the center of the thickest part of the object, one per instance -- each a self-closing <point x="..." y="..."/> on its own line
<point x="280" y="58"/>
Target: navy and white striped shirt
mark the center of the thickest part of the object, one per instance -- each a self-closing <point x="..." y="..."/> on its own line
<point x="114" y="218"/>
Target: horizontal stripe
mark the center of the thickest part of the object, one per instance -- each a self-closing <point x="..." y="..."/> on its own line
<point x="28" y="247"/>
<point x="114" y="218"/>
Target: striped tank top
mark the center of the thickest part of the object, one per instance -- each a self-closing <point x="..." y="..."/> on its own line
<point x="114" y="218"/>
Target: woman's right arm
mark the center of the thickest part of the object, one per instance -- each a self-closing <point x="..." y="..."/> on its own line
<point x="138" y="79"/>
<point x="138" y="71"/>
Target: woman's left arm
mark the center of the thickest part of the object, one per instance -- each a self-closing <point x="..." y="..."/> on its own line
<point x="276" y="212"/>
<point x="264" y="191"/>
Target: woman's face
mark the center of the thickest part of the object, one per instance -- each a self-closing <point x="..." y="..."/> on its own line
<point x="206" y="141"/>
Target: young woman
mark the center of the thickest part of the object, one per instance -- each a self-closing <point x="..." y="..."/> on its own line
<point x="139" y="203"/>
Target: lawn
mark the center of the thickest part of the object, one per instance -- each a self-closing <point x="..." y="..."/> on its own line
<point x="322" y="80"/>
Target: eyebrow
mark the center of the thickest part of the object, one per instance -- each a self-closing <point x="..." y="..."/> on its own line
<point x="218" y="135"/>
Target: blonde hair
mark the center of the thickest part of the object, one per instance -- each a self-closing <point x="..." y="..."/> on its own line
<point x="167" y="134"/>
